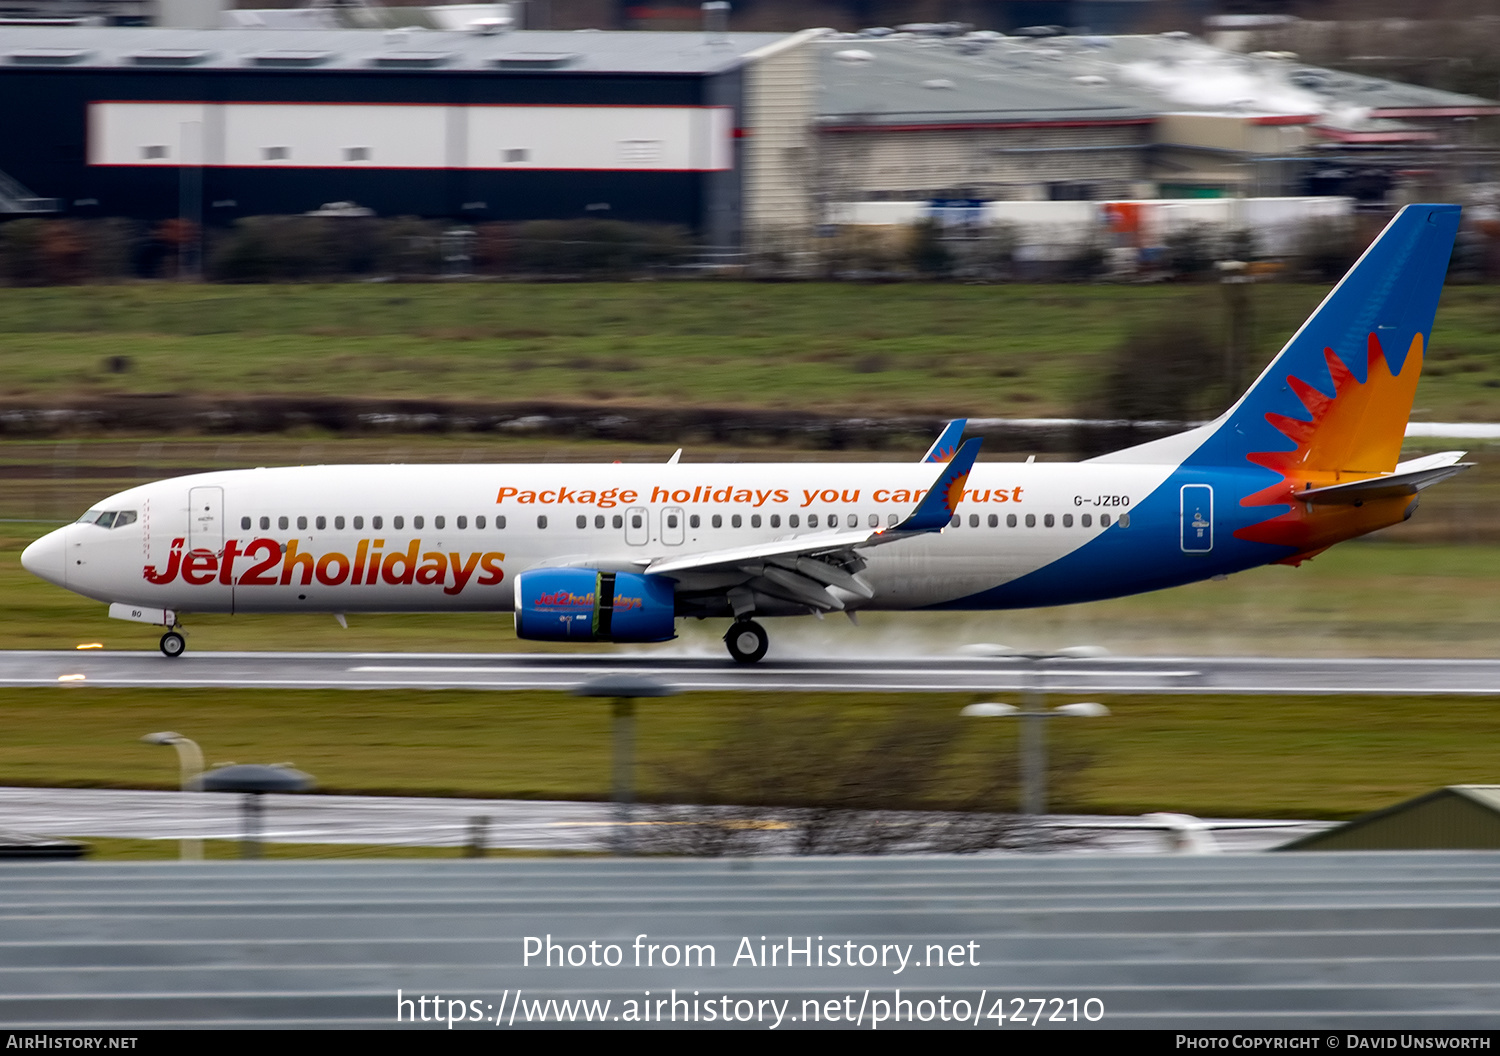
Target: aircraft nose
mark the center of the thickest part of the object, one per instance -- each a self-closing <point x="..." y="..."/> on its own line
<point x="47" y="557"/>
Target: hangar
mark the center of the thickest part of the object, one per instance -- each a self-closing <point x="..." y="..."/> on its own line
<point x="682" y="128"/>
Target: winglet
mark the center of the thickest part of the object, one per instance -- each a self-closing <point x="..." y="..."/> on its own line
<point x="944" y="447"/>
<point x="936" y="508"/>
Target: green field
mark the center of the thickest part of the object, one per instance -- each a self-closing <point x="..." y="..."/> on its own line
<point x="1238" y="756"/>
<point x="1016" y="350"/>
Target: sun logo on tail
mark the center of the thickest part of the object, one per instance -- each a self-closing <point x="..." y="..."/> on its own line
<point x="1352" y="434"/>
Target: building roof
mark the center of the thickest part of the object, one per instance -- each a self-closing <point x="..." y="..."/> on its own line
<point x="1458" y="817"/>
<point x="985" y="77"/>
<point x="582" y="51"/>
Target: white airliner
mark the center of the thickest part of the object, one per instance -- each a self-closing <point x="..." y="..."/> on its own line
<point x="1308" y="457"/>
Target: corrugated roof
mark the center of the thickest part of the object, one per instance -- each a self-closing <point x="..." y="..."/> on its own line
<point x="985" y="77"/>
<point x="346" y="49"/>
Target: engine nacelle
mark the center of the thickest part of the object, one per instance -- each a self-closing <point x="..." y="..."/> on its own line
<point x="582" y="605"/>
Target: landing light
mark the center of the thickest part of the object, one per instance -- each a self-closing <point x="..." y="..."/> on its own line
<point x="89" y="645"/>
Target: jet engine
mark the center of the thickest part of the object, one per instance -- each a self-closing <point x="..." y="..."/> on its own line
<point x="582" y="605"/>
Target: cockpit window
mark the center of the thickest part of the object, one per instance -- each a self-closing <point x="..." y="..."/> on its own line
<point x="108" y="518"/>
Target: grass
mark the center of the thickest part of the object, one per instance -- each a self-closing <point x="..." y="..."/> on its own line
<point x="1015" y="350"/>
<point x="113" y="849"/>
<point x="1321" y="757"/>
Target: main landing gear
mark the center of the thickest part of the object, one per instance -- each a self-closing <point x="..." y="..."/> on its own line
<point x="173" y="644"/>
<point x="747" y="641"/>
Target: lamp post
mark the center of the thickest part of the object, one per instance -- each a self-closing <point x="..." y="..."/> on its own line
<point x="1033" y="726"/>
<point x="190" y="765"/>
<point x="253" y="781"/>
<point x="623" y="691"/>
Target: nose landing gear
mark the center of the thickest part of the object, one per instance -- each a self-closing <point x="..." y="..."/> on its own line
<point x="747" y="641"/>
<point x="173" y="644"/>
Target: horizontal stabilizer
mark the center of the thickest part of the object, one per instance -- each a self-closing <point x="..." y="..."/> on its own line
<point x="1408" y="479"/>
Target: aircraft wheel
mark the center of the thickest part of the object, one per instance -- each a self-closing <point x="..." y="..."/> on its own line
<point x="747" y="641"/>
<point x="173" y="645"/>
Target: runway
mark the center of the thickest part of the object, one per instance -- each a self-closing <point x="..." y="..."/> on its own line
<point x="554" y="671"/>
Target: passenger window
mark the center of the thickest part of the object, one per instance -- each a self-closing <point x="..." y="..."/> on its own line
<point x="718" y="521"/>
<point x="499" y="521"/>
<point x="693" y="520"/>
<point x="398" y="523"/>
<point x="417" y="522"/>
<point x="1124" y="521"/>
<point x="462" y="521"/>
<point x="671" y="520"/>
<point x="1049" y="520"/>
<point x="301" y="524"/>
<point x="359" y="524"/>
<point x="854" y="520"/>
<point x="244" y="524"/>
<point x="812" y="520"/>
<point x="541" y="522"/>
<point x="617" y="521"/>
<point x="1104" y="520"/>
<point x="479" y="521"/>
<point x="282" y="524"/>
<point x="265" y="523"/>
<point x="1010" y="520"/>
<point x="957" y="520"/>
<point x="439" y="521"/>
<point x="776" y="520"/>
<point x="599" y="521"/>
<point x="1067" y="520"/>
<point x="338" y="523"/>
<point x="322" y="523"/>
<point x="994" y="520"/>
<point x="874" y="520"/>
<point x="792" y="521"/>
<point x="1087" y="520"/>
<point x="892" y="520"/>
<point x="635" y="520"/>
<point x="1031" y="520"/>
<point x="377" y="523"/>
<point x="973" y="520"/>
<point x="583" y="521"/>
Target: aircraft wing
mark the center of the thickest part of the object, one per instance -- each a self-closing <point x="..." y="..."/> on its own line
<point x="804" y="567"/>
<point x="1409" y="478"/>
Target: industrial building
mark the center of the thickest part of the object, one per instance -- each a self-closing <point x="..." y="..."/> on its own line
<point x="746" y="138"/>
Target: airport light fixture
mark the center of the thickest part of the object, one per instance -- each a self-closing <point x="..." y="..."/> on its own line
<point x="1033" y="714"/>
<point x="190" y="766"/>
<point x="254" y="780"/>
<point x="623" y="690"/>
